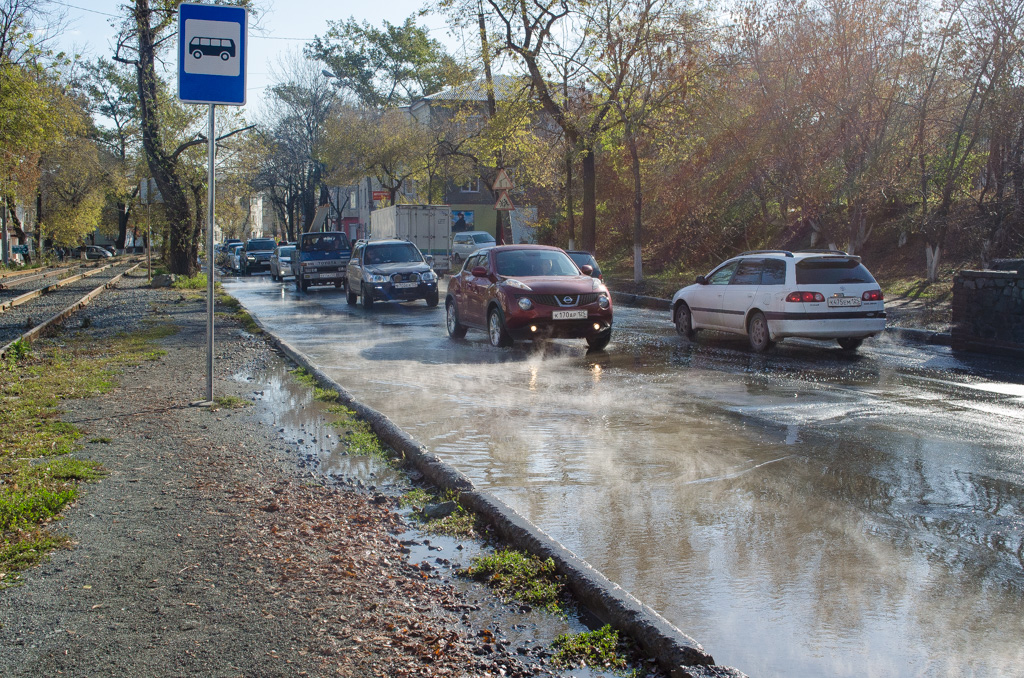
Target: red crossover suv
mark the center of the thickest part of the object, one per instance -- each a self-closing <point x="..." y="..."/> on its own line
<point x="528" y="292"/>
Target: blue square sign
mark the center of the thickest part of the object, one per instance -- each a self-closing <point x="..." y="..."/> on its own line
<point x="211" y="54"/>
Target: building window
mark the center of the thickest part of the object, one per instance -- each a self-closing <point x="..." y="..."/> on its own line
<point x="471" y="186"/>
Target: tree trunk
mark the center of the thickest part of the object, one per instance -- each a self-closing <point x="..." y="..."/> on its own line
<point x="570" y="205"/>
<point x="931" y="257"/>
<point x="182" y="252"/>
<point x="588" y="229"/>
<point x="123" y="214"/>
<point x="634" y="154"/>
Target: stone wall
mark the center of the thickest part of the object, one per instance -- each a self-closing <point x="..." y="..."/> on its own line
<point x="988" y="311"/>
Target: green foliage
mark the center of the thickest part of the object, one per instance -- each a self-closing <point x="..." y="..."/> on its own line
<point x="191" y="282"/>
<point x="25" y="553"/>
<point x="359" y="437"/>
<point x="521" y="576"/>
<point x="230" y="402"/>
<point x="325" y="395"/>
<point x="598" y="649"/>
<point x="16" y="353"/>
<point x="304" y="377"/>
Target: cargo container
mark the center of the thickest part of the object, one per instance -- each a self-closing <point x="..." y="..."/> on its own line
<point x="426" y="226"/>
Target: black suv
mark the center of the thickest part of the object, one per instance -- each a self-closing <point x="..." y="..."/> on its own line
<point x="255" y="255"/>
<point x="392" y="270"/>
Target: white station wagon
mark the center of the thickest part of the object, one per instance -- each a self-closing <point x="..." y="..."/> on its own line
<point x="769" y="295"/>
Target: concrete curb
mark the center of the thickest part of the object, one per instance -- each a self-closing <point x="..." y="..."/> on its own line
<point x="677" y="653"/>
<point x="905" y="334"/>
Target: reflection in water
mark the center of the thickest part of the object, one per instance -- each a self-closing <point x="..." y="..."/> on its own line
<point x="798" y="514"/>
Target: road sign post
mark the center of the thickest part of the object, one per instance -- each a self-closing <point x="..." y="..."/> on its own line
<point x="212" y="51"/>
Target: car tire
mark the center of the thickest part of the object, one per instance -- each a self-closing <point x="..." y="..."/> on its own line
<point x="304" y="285"/>
<point x="432" y="299"/>
<point x="456" y="330"/>
<point x="684" y="322"/>
<point x="337" y="284"/>
<point x="351" y="297"/>
<point x="757" y="332"/>
<point x="599" y="341"/>
<point x="496" y="332"/>
<point x="850" y="343"/>
<point x="367" y="298"/>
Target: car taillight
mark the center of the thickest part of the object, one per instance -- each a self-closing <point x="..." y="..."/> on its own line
<point x="805" y="296"/>
<point x="873" y="295"/>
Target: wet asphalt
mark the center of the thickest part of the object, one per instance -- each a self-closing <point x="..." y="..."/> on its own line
<point x="802" y="512"/>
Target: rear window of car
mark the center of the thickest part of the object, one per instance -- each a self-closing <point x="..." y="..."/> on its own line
<point x="260" y="245"/>
<point x="831" y="272"/>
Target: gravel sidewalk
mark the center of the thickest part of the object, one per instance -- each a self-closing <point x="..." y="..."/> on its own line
<point x="209" y="549"/>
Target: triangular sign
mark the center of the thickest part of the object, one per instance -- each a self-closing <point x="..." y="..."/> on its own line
<point x="504" y="203"/>
<point x="502" y="182"/>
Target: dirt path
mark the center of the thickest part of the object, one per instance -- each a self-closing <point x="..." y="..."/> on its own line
<point x="207" y="551"/>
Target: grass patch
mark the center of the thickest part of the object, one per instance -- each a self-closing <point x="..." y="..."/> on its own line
<point x="601" y="649"/>
<point x="357" y="434"/>
<point x="38" y="478"/>
<point x="326" y="395"/>
<point x="226" y="299"/>
<point x="190" y="282"/>
<point x="460" y="523"/>
<point x="304" y="377"/>
<point x="229" y="402"/>
<point x="520" y="576"/>
<point x="247" y="322"/>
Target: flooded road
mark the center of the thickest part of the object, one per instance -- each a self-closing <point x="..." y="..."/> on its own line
<point x="801" y="513"/>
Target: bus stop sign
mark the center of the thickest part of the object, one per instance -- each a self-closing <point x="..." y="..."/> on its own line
<point x="212" y="46"/>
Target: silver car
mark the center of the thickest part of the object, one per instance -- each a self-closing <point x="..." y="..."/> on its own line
<point x="281" y="262"/>
<point x="467" y="242"/>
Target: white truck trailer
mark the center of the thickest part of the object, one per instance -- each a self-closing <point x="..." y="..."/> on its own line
<point x="428" y="227"/>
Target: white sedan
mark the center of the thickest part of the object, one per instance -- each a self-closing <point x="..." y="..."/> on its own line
<point x="769" y="295"/>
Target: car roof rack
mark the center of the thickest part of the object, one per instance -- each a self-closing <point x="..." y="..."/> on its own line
<point x="785" y="252"/>
<point x="823" y="251"/>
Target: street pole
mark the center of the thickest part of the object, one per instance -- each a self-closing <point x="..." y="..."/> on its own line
<point x="149" y="238"/>
<point x="211" y="195"/>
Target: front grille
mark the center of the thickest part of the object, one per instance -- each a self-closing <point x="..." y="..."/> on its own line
<point x="405" y="277"/>
<point x="560" y="299"/>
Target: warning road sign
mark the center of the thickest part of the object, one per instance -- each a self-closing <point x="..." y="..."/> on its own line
<point x="502" y="182"/>
<point x="504" y="203"/>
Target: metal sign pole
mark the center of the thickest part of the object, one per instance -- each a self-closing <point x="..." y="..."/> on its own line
<point x="211" y="194"/>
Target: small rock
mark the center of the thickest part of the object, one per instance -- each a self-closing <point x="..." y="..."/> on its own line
<point x="437" y="511"/>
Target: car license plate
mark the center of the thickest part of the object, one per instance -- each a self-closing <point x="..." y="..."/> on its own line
<point x="328" y="275"/>
<point x="569" y="315"/>
<point x="406" y="284"/>
<point x="843" y="301"/>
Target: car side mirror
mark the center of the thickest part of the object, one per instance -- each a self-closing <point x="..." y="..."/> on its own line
<point x="430" y="260"/>
<point x="479" y="272"/>
<point x="701" y="280"/>
<point x="587" y="269"/>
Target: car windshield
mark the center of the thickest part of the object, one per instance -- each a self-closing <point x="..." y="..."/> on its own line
<point x="262" y="245"/>
<point x="526" y="263"/>
<point x="482" y="237"/>
<point x="324" y="242"/>
<point x="392" y="253"/>
<point x="831" y="272"/>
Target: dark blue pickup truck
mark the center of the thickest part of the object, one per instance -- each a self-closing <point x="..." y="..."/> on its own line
<point x="320" y="259"/>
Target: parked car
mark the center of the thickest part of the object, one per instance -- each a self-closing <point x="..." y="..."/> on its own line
<point x="281" y="262"/>
<point x="582" y="259"/>
<point x="234" y="258"/>
<point x="528" y="292"/>
<point x="769" y="295"/>
<point x="393" y="270"/>
<point x="467" y="242"/>
<point x="255" y="255"/>
<point x="91" y="252"/>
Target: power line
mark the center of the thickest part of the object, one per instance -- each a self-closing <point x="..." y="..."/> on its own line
<point x="85" y="9"/>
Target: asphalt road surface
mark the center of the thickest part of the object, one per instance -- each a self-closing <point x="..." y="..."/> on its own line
<point x="804" y="512"/>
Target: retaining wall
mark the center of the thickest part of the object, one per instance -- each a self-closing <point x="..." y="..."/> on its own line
<point x="988" y="311"/>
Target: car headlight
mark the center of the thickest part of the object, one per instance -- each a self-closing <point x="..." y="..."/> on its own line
<point x="429" y="276"/>
<point x="250" y="257"/>
<point x="598" y="285"/>
<point x="374" y="278"/>
<point x="525" y="303"/>
<point x="518" y="284"/>
<point x="602" y="301"/>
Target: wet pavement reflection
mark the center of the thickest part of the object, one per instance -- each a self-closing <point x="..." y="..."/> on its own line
<point x="804" y="512"/>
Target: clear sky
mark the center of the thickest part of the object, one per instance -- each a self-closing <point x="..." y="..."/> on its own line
<point x="284" y="25"/>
